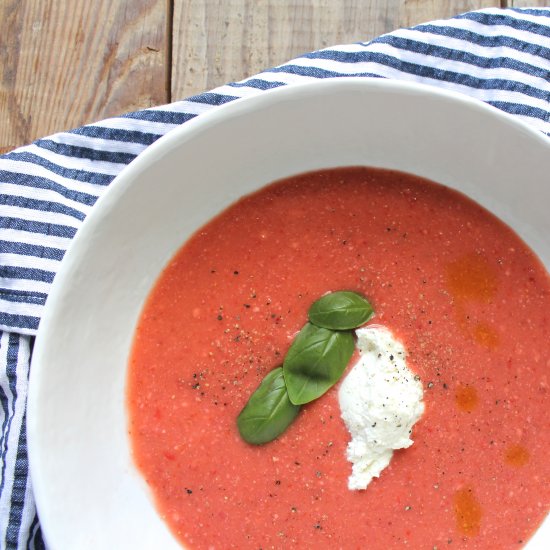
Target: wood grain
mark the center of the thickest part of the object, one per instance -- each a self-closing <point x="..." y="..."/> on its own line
<point x="218" y="41"/>
<point x="528" y="3"/>
<point x="69" y="62"/>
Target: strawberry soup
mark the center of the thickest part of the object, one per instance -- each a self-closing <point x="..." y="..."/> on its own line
<point x="469" y="301"/>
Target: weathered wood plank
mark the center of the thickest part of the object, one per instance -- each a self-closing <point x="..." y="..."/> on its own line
<point x="69" y="62"/>
<point x="528" y="3"/>
<point x="218" y="41"/>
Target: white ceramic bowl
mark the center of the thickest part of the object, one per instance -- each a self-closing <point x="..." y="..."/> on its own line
<point x="88" y="492"/>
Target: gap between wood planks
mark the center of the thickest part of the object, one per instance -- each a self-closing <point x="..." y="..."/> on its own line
<point x="169" y="47"/>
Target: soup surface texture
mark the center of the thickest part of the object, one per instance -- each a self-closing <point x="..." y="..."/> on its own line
<point x="468" y="299"/>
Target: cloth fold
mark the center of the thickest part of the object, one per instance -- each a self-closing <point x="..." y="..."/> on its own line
<point x="47" y="188"/>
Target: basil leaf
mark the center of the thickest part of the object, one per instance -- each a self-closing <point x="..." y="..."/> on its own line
<point x="315" y="362"/>
<point x="342" y="310"/>
<point x="268" y="412"/>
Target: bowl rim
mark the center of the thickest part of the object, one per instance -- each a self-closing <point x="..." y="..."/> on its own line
<point x="163" y="145"/>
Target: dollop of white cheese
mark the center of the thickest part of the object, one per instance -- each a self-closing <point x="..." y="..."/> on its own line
<point x="380" y="401"/>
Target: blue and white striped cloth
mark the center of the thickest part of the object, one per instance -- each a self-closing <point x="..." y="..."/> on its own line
<point x="47" y="188"/>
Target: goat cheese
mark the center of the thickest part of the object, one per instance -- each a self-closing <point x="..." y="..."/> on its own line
<point x="380" y="401"/>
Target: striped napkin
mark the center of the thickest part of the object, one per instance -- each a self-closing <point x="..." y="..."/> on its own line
<point x="47" y="188"/>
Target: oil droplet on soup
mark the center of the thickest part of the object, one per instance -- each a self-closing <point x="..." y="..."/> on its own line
<point x="466" y="398"/>
<point x="516" y="455"/>
<point x="472" y="278"/>
<point x="468" y="512"/>
<point x="485" y="335"/>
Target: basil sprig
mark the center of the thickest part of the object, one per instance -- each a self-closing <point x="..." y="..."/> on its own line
<point x="315" y="361"/>
<point x="268" y="412"/>
<point x="341" y="310"/>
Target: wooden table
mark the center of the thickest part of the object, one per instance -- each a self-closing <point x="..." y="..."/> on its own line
<point x="69" y="62"/>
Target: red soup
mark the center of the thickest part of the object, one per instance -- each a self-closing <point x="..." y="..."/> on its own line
<point x="468" y="299"/>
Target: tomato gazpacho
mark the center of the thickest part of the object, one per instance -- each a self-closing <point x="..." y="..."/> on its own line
<point x="468" y="300"/>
